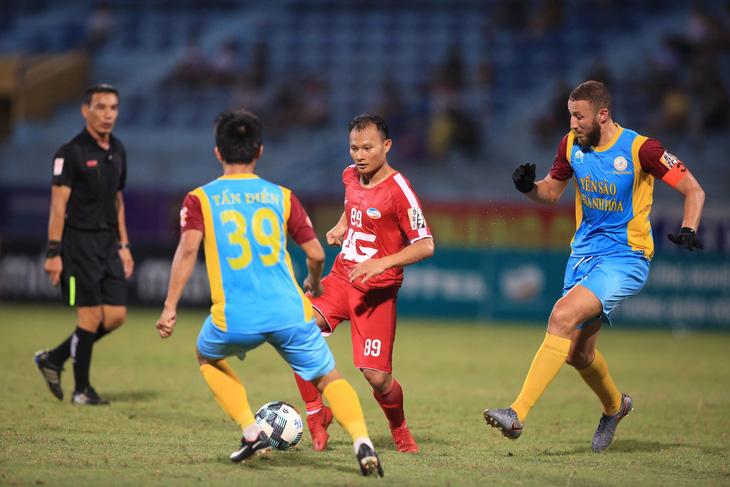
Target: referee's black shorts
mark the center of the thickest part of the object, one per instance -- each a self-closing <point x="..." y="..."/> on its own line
<point x="93" y="273"/>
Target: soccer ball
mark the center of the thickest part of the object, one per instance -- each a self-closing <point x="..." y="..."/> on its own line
<point x="282" y="423"/>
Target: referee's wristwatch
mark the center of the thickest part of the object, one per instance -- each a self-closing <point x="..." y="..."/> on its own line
<point x="124" y="246"/>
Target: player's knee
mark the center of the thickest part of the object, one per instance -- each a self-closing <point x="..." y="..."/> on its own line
<point x="322" y="382"/>
<point x="379" y="381"/>
<point x="121" y="318"/>
<point x="561" y="321"/>
<point x="115" y="320"/>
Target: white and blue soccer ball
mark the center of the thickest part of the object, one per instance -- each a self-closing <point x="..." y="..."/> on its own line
<point x="282" y="423"/>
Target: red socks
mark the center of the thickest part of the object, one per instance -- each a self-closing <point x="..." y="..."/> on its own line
<point x="392" y="404"/>
<point x="310" y="395"/>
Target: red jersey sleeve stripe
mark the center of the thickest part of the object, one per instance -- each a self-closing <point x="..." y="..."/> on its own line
<point x="407" y="191"/>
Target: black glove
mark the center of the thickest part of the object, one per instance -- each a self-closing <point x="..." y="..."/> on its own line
<point x="524" y="177"/>
<point x="686" y="238"/>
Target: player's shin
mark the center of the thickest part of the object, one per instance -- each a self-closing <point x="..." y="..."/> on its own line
<point x="346" y="408"/>
<point x="310" y="395"/>
<point x="392" y="404"/>
<point x="548" y="361"/>
<point x="228" y="392"/>
<point x="599" y="380"/>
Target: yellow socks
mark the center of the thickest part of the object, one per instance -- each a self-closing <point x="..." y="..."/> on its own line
<point x="597" y="377"/>
<point x="548" y="360"/>
<point x="346" y="408"/>
<point x="228" y="392"/>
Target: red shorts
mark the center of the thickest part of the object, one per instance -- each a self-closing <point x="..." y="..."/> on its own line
<point x="372" y="320"/>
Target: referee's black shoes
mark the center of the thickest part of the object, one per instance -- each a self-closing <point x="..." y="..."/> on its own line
<point x="88" y="397"/>
<point x="51" y="372"/>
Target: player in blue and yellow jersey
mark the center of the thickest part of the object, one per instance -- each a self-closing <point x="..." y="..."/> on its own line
<point x="243" y="221"/>
<point x="613" y="169"/>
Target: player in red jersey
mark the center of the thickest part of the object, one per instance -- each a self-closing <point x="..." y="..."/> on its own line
<point x="381" y="230"/>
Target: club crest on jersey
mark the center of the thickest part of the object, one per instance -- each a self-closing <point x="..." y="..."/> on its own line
<point x="58" y="166"/>
<point x="417" y="219"/>
<point x="669" y="160"/>
<point x="373" y="213"/>
<point x="620" y="163"/>
<point x="578" y="156"/>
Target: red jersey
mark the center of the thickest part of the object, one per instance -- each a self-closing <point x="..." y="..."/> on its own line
<point x="381" y="221"/>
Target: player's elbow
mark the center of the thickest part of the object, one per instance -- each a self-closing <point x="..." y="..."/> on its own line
<point x="428" y="247"/>
<point x="316" y="260"/>
<point x="315" y="255"/>
<point x="700" y="196"/>
<point x="550" y="199"/>
<point x="188" y="251"/>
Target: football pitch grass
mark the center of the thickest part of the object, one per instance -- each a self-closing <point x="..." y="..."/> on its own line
<point x="163" y="426"/>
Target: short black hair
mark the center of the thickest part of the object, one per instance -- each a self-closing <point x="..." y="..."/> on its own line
<point x="361" y="122"/>
<point x="595" y="93"/>
<point x="100" y="88"/>
<point x="238" y="136"/>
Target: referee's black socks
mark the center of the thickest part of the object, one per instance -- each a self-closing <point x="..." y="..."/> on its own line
<point x="82" y="343"/>
<point x="61" y="353"/>
<point x="100" y="332"/>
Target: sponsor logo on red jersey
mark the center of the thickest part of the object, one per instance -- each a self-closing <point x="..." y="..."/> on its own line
<point x="417" y="218"/>
<point x="373" y="213"/>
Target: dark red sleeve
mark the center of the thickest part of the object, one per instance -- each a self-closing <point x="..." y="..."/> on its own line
<point x="561" y="169"/>
<point x="299" y="224"/>
<point x="661" y="164"/>
<point x="650" y="155"/>
<point x="191" y="215"/>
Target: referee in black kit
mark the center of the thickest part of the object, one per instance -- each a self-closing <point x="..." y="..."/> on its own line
<point x="88" y="250"/>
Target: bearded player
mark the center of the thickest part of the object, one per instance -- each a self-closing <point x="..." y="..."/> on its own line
<point x="614" y="170"/>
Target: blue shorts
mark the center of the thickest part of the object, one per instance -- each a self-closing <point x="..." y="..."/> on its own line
<point x="612" y="278"/>
<point x="302" y="346"/>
